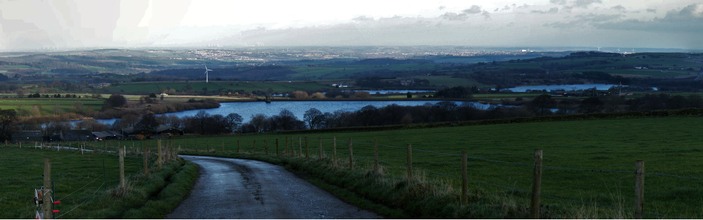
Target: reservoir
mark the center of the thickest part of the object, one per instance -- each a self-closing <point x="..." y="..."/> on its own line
<point x="569" y="87"/>
<point x="248" y="109"/>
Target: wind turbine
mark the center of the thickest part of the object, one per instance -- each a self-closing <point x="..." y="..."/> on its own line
<point x="207" y="74"/>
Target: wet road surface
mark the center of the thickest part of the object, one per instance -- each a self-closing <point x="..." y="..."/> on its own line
<point x="237" y="188"/>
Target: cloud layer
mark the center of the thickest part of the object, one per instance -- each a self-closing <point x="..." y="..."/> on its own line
<point x="36" y="24"/>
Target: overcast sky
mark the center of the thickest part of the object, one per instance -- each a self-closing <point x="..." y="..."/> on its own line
<point x="67" y="24"/>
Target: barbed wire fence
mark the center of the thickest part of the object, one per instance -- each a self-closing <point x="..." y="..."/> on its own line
<point x="53" y="203"/>
<point x="392" y="159"/>
<point x="512" y="176"/>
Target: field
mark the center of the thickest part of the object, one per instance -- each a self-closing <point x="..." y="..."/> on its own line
<point x="215" y="87"/>
<point x="86" y="183"/>
<point x="50" y="106"/>
<point x="663" y="65"/>
<point x="588" y="165"/>
<point x="448" y="81"/>
<point x="350" y="71"/>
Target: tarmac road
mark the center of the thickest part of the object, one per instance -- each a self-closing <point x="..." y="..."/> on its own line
<point x="237" y="188"/>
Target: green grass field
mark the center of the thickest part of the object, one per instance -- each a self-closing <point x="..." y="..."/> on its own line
<point x="448" y="81"/>
<point x="348" y="71"/>
<point x="659" y="65"/>
<point x="86" y="183"/>
<point x="588" y="165"/>
<point x="214" y="87"/>
<point x="50" y="106"/>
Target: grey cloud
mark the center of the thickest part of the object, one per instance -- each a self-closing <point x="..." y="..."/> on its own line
<point x="437" y="31"/>
<point x="61" y="24"/>
<point x="362" y="19"/>
<point x="598" y="18"/>
<point x="570" y="4"/>
<point x="651" y="10"/>
<point x="553" y="10"/>
<point x="475" y="9"/>
<point x="486" y="14"/>
<point x="558" y="2"/>
<point x="586" y="20"/>
<point x="688" y="19"/>
<point x="465" y="14"/>
<point x="454" y="16"/>
<point x="585" y="3"/>
<point x="619" y="8"/>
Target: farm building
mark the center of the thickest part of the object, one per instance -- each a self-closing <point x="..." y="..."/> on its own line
<point x="77" y="135"/>
<point x="108" y="135"/>
<point x="27" y="135"/>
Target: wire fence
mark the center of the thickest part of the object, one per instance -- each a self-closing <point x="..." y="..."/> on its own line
<point x="504" y="174"/>
<point x="507" y="174"/>
<point x="78" y="180"/>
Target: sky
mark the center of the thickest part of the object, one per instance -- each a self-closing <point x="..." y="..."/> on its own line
<point x="76" y="24"/>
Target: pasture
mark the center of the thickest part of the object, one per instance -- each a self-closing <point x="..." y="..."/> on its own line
<point x="588" y="165"/>
<point x="214" y="87"/>
<point x="86" y="184"/>
<point x="51" y="106"/>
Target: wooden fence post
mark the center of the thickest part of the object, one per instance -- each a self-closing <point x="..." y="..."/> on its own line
<point x="238" y="146"/>
<point x="307" y="150"/>
<point x="375" y="156"/>
<point x="410" y="161"/>
<point x="300" y="147"/>
<point x="146" y="160"/>
<point x="253" y="145"/>
<point x="639" y="189"/>
<point x="222" y="145"/>
<point x="334" y="151"/>
<point x="123" y="182"/>
<point x="277" y="155"/>
<point x="536" y="185"/>
<point x="266" y="147"/>
<point x="319" y="148"/>
<point x="159" y="156"/>
<point x="47" y="194"/>
<point x="351" y="155"/>
<point x="464" y="178"/>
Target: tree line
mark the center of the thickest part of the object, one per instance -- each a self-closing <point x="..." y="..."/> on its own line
<point x="446" y="111"/>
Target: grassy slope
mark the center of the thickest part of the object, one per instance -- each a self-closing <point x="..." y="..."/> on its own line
<point x="85" y="184"/>
<point x="589" y="164"/>
<point x="50" y="106"/>
<point x="664" y="65"/>
<point x="213" y="87"/>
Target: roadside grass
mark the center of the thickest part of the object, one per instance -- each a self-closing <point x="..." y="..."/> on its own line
<point x="588" y="166"/>
<point x="87" y="183"/>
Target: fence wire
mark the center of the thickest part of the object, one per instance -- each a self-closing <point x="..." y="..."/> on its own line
<point x="363" y="157"/>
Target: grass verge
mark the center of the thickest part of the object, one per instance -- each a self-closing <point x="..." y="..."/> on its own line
<point x="87" y="183"/>
<point x="588" y="166"/>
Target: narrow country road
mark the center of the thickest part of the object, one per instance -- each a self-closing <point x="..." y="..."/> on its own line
<point x="237" y="188"/>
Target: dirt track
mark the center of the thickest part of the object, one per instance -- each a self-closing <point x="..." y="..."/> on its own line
<point x="236" y="188"/>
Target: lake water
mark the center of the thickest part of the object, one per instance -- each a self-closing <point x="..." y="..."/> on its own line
<point x="386" y="92"/>
<point x="570" y="87"/>
<point x="298" y="108"/>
